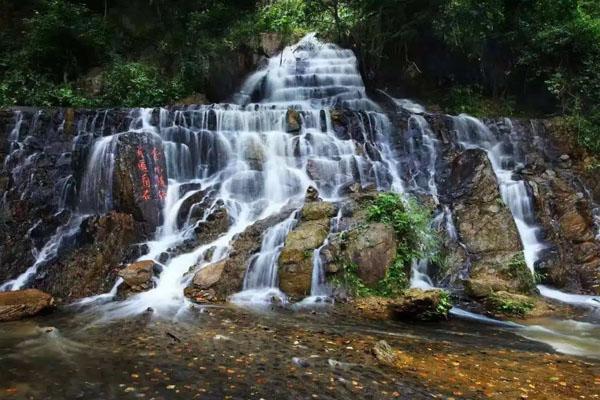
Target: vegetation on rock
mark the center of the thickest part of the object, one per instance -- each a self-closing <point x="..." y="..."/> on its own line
<point x="509" y="304"/>
<point x="415" y="240"/>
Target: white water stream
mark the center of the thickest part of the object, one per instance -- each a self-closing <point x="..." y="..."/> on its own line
<point x="245" y="155"/>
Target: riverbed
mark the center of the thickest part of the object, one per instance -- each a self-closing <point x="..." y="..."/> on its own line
<point x="227" y="352"/>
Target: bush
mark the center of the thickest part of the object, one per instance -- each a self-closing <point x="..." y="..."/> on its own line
<point x="416" y="240"/>
<point x="136" y="84"/>
<point x="63" y="39"/>
<point x="410" y="221"/>
<point x="470" y="100"/>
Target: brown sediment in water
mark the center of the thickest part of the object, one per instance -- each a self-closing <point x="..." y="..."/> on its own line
<point x="228" y="353"/>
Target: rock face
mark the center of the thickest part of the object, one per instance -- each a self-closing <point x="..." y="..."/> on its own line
<point x="244" y="246"/>
<point x="43" y="154"/>
<point x="486" y="227"/>
<point x="140" y="177"/>
<point x="574" y="260"/>
<point x="23" y="303"/>
<point x="200" y="289"/>
<point x="369" y="246"/>
<point x="295" y="260"/>
<point x="373" y="250"/>
<point x="103" y="244"/>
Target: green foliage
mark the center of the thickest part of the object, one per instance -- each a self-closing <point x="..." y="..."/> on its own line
<point x="349" y="280"/>
<point x="287" y="17"/>
<point x="587" y="128"/>
<point x="517" y="269"/>
<point x="137" y="85"/>
<point x="416" y="240"/>
<point x="395" y="281"/>
<point x="393" y="284"/>
<point x="63" y="39"/>
<point x="510" y="306"/>
<point x="471" y="100"/>
<point x="441" y="309"/>
<point x="410" y="221"/>
<point x="485" y="56"/>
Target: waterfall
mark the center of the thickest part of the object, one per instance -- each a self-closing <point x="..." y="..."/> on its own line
<point x="260" y="281"/>
<point x="96" y="194"/>
<point x="257" y="158"/>
<point x="96" y="189"/>
<point x="472" y="133"/>
<point x="48" y="253"/>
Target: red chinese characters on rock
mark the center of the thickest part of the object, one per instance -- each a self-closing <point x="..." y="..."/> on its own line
<point x="142" y="165"/>
<point x="158" y="171"/>
<point x="143" y="168"/>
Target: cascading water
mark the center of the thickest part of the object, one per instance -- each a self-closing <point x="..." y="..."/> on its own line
<point x="260" y="281"/>
<point x="96" y="187"/>
<point x="259" y="157"/>
<point x="48" y="253"/>
<point x="472" y="133"/>
<point x="96" y="194"/>
<point x="319" y="289"/>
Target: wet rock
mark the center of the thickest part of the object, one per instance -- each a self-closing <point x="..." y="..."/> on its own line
<point x="140" y="182"/>
<point x="573" y="260"/>
<point x="295" y="260"/>
<point x="243" y="246"/>
<point x="102" y="245"/>
<point x="215" y="225"/>
<point x="317" y="210"/>
<point x="371" y="247"/>
<point x="208" y="275"/>
<point x="201" y="296"/>
<point x="23" y="303"/>
<point x="194" y="206"/>
<point x="373" y="250"/>
<point x="486" y="227"/>
<point x="312" y="194"/>
<point x="138" y="276"/>
<point x="293" y="121"/>
<point x="509" y="304"/>
<point x="384" y="353"/>
<point x="420" y="304"/>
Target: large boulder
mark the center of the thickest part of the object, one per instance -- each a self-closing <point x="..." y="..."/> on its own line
<point x="138" y="275"/>
<point x="373" y="249"/>
<point x="420" y="304"/>
<point x="486" y="227"/>
<point x="140" y="182"/>
<point x="295" y="260"/>
<point x="208" y="275"/>
<point x="23" y="303"/>
<point x="200" y="289"/>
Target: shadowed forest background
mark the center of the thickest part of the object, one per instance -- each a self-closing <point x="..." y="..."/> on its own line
<point x="490" y="57"/>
